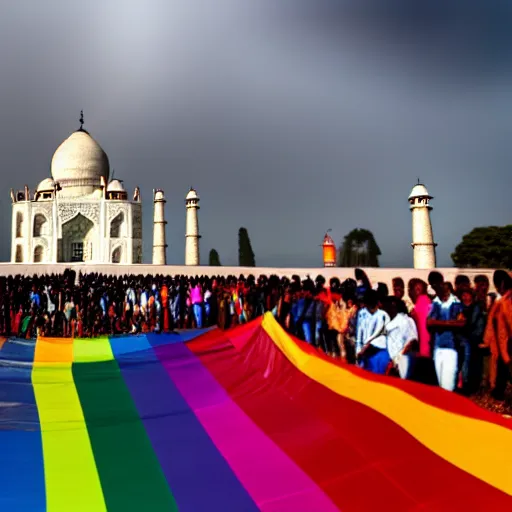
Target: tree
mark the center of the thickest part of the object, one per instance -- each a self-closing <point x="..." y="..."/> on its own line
<point x="245" y="252"/>
<point x="214" y="259"/>
<point x="486" y="247"/>
<point x="359" y="249"/>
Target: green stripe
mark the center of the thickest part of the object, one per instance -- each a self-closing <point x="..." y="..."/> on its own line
<point x="130" y="474"/>
<point x="91" y="350"/>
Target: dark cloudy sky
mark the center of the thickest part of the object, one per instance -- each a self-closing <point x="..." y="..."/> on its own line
<point x="288" y="116"/>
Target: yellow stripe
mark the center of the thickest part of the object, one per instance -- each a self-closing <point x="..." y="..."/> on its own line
<point x="92" y="350"/>
<point x="72" y="481"/>
<point x="480" y="448"/>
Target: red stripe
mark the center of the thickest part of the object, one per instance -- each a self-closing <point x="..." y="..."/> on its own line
<point x="431" y="395"/>
<point x="360" y="458"/>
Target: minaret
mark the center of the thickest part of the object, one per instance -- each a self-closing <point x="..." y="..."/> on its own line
<point x="424" y="248"/>
<point x="192" y="229"/>
<point x="159" y="223"/>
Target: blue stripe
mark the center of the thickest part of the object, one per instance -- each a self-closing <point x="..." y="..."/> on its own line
<point x="22" y="484"/>
<point x="157" y="340"/>
<point x="198" y="475"/>
<point x="18" y="350"/>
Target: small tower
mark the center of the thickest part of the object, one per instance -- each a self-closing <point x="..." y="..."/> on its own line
<point x="159" y="223"/>
<point x="329" y="251"/>
<point x="424" y="248"/>
<point x="192" y="229"/>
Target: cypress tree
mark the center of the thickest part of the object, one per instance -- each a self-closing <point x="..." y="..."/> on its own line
<point x="245" y="252"/>
<point x="214" y="259"/>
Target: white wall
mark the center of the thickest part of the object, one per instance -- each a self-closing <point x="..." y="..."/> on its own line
<point x="384" y="275"/>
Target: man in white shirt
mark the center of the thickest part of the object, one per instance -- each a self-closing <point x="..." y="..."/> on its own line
<point x="374" y="354"/>
<point x="144" y="298"/>
<point x="400" y="333"/>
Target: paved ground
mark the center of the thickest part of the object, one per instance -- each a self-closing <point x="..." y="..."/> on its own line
<point x="483" y="399"/>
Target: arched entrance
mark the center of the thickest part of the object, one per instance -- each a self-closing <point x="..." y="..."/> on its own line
<point x="76" y="240"/>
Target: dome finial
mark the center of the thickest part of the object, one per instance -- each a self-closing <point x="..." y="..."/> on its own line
<point x="81" y="119"/>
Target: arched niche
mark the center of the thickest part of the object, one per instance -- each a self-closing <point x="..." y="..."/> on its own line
<point x="116" y="226"/>
<point x="39" y="254"/>
<point x="40" y="227"/>
<point x="19" y="254"/>
<point x="19" y="225"/>
<point x="117" y="254"/>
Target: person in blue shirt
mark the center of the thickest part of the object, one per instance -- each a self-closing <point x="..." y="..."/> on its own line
<point x="35" y="298"/>
<point x="471" y="337"/>
<point x="362" y="283"/>
<point x="445" y="321"/>
<point x="104" y="303"/>
<point x="307" y="310"/>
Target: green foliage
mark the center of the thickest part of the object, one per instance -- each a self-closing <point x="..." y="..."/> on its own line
<point x="486" y="247"/>
<point x="359" y="249"/>
<point x="245" y="252"/>
<point x="214" y="260"/>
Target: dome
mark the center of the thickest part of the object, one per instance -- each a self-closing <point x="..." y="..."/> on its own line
<point x="419" y="190"/>
<point x="192" y="194"/>
<point x="328" y="240"/>
<point x="159" y="195"/>
<point x="116" y="186"/>
<point x="47" y="185"/>
<point x="79" y="164"/>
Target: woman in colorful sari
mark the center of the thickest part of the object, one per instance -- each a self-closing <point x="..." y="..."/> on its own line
<point x="336" y="320"/>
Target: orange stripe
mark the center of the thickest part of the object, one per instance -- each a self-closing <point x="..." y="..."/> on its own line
<point x="54" y="350"/>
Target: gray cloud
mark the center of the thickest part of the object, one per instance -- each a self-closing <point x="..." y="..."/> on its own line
<point x="289" y="118"/>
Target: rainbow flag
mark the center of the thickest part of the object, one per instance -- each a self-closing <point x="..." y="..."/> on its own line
<point x="245" y="420"/>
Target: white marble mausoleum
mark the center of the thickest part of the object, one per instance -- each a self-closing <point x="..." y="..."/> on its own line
<point x="78" y="214"/>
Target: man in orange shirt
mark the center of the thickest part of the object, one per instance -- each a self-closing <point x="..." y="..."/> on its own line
<point x="164" y="294"/>
<point x="498" y="335"/>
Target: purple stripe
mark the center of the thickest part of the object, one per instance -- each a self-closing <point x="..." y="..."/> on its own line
<point x="274" y="481"/>
<point x="198" y="475"/>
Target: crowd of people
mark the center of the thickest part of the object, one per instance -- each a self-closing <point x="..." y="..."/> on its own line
<point x="455" y="335"/>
